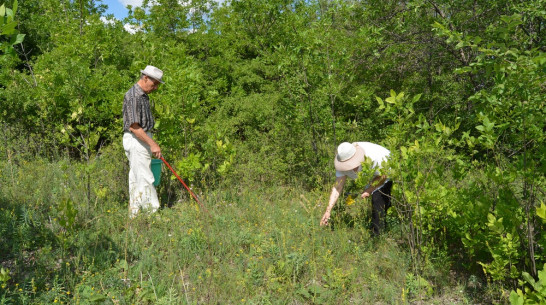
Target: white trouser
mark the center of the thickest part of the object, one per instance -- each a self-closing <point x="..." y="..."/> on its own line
<point x="142" y="193"/>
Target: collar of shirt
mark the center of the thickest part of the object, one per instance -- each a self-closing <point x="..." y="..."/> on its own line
<point x="139" y="91"/>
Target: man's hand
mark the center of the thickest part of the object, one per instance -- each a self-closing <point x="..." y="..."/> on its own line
<point x="141" y="134"/>
<point x="156" y="151"/>
<point x="365" y="195"/>
<point x="325" y="218"/>
<point x="340" y="182"/>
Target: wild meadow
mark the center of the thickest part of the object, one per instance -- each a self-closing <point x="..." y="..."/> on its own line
<point x="257" y="244"/>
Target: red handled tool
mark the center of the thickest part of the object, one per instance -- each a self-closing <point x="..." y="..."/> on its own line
<point x="184" y="184"/>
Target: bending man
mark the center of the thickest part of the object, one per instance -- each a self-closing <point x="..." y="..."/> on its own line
<point x="348" y="162"/>
<point x="138" y="142"/>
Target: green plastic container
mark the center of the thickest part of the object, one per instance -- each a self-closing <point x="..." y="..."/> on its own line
<point x="155" y="166"/>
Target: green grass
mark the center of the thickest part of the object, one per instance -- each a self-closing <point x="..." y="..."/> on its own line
<point x="257" y="245"/>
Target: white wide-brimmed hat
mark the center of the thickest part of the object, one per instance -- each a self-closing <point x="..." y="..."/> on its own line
<point x="348" y="156"/>
<point x="153" y="72"/>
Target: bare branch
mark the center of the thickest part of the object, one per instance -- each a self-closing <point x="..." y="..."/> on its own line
<point x="27" y="63"/>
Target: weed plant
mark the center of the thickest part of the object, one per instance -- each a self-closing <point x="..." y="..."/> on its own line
<point x="257" y="245"/>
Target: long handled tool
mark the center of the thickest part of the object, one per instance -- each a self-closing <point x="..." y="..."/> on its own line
<point x="184" y="184"/>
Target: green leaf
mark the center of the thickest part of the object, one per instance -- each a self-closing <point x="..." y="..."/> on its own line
<point x="97" y="297"/>
<point x="416" y="98"/>
<point x="123" y="264"/>
<point x="19" y="39"/>
<point x="404" y="152"/>
<point x="463" y="70"/>
<point x="494" y="224"/>
<point x="529" y="279"/>
<point x="515" y="299"/>
<point x="4" y="275"/>
<point x="542" y="276"/>
<point x="2" y="10"/>
<point x="9" y="13"/>
<point x="393" y="93"/>
<point x="438" y="25"/>
<point x="487" y="124"/>
<point x="9" y="28"/>
<point x="14" y="7"/>
<point x="380" y="101"/>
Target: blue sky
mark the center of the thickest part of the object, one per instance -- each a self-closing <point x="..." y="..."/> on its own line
<point x="118" y="7"/>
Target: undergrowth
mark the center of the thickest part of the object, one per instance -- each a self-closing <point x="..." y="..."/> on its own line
<point x="256" y="245"/>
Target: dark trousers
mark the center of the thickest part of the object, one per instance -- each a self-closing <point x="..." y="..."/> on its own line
<point x="381" y="202"/>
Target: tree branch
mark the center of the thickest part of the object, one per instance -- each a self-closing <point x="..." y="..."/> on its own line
<point x="464" y="57"/>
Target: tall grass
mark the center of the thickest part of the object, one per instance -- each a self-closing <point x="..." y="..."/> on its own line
<point x="257" y="245"/>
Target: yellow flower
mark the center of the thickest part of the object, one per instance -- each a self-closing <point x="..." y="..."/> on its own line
<point x="350" y="200"/>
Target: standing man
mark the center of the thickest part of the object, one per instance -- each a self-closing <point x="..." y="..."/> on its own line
<point x="138" y="143"/>
<point x="348" y="162"/>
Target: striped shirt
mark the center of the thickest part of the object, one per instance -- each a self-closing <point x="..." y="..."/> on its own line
<point x="136" y="109"/>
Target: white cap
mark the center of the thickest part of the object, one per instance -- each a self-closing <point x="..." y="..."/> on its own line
<point x="348" y="156"/>
<point x="153" y="72"/>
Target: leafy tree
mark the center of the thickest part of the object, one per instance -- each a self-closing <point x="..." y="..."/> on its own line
<point x="9" y="35"/>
